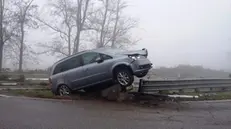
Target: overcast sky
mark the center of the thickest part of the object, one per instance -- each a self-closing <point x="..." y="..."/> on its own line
<point x="196" y="32"/>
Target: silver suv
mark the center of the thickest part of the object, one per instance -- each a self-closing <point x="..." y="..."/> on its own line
<point x="87" y="68"/>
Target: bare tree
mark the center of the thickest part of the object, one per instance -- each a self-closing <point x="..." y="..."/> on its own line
<point x="105" y="17"/>
<point x="112" y="27"/>
<point x="2" y="5"/>
<point x="101" y="22"/>
<point x="62" y="12"/>
<point x="80" y="18"/>
<point x="7" y="26"/>
<point x="24" y="14"/>
<point x="12" y="53"/>
<point x="118" y="10"/>
<point x="70" y="17"/>
<point x="123" y="25"/>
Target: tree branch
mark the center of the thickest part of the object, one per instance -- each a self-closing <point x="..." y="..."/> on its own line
<point x="51" y="27"/>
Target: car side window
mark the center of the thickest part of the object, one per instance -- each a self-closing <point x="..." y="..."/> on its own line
<point x="89" y="57"/>
<point x="72" y="63"/>
<point x="69" y="64"/>
<point x="57" y="69"/>
<point x="105" y="57"/>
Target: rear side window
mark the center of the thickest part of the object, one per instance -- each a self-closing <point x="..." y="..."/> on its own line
<point x="69" y="64"/>
<point x="57" y="69"/>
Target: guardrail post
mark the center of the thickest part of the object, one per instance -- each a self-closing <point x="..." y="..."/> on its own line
<point x="181" y="91"/>
<point x="224" y="89"/>
<point x="211" y="89"/>
<point x="140" y="86"/>
<point x="197" y="90"/>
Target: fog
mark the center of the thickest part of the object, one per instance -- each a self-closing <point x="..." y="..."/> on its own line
<point x="196" y="32"/>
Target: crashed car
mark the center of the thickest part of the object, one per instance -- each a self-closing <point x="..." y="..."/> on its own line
<point x="86" y="69"/>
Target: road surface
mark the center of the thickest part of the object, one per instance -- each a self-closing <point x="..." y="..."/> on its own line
<point x="27" y="113"/>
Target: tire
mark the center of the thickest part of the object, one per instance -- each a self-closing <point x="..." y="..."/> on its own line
<point x="124" y="77"/>
<point x="64" y="90"/>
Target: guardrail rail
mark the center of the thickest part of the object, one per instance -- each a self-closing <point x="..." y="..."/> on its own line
<point x="190" y="85"/>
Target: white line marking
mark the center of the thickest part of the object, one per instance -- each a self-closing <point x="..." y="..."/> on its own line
<point x="210" y="101"/>
<point x="8" y="84"/>
<point x="39" y="79"/>
<point x="5" y="96"/>
<point x="183" y="96"/>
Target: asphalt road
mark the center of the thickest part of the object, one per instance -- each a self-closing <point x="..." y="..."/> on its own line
<point x="27" y="113"/>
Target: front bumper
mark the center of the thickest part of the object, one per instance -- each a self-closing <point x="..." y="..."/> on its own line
<point x="141" y="66"/>
<point x="143" y="70"/>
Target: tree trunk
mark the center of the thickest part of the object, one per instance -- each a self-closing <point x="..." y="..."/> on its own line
<point x="1" y="56"/>
<point x="78" y="23"/>
<point x="80" y="20"/>
<point x="69" y="42"/>
<point x="102" y="33"/>
<point x="1" y="34"/>
<point x="115" y="26"/>
<point x="21" y="47"/>
<point x="77" y="41"/>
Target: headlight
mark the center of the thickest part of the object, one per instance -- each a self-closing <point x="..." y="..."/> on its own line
<point x="134" y="57"/>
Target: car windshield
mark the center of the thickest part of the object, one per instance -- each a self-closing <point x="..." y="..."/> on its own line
<point x="114" y="51"/>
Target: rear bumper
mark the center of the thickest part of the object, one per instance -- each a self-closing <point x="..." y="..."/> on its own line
<point x="54" y="90"/>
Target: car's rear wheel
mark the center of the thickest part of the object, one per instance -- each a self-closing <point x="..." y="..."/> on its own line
<point x="64" y="90"/>
<point x="124" y="77"/>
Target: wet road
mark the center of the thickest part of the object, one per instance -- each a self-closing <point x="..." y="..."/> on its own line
<point x="26" y="113"/>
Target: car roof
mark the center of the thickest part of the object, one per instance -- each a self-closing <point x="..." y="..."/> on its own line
<point x="109" y="51"/>
<point x="104" y="50"/>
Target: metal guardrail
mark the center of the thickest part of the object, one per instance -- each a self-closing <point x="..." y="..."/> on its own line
<point x="23" y="73"/>
<point x="26" y="75"/>
<point x="198" y="85"/>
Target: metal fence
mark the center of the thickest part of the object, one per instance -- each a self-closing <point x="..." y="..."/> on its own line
<point x="26" y="75"/>
<point x="192" y="85"/>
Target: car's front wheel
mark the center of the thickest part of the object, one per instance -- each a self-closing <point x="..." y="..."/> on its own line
<point x="124" y="77"/>
<point x="64" y="90"/>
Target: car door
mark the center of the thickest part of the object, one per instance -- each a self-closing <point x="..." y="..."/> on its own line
<point x="96" y="71"/>
<point x="107" y="65"/>
<point x="74" y="74"/>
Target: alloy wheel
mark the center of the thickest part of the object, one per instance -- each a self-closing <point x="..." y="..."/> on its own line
<point x="64" y="90"/>
<point x="123" y="78"/>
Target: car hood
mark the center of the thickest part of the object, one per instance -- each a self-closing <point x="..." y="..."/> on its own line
<point x="143" y="52"/>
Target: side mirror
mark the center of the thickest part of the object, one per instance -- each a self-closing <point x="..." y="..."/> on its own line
<point x="99" y="60"/>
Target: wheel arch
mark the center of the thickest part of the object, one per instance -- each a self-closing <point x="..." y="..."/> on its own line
<point x="121" y="65"/>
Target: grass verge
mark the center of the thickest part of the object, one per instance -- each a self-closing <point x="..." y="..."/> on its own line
<point x="46" y="93"/>
<point x="33" y="93"/>
<point x="36" y="94"/>
<point x="216" y="96"/>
